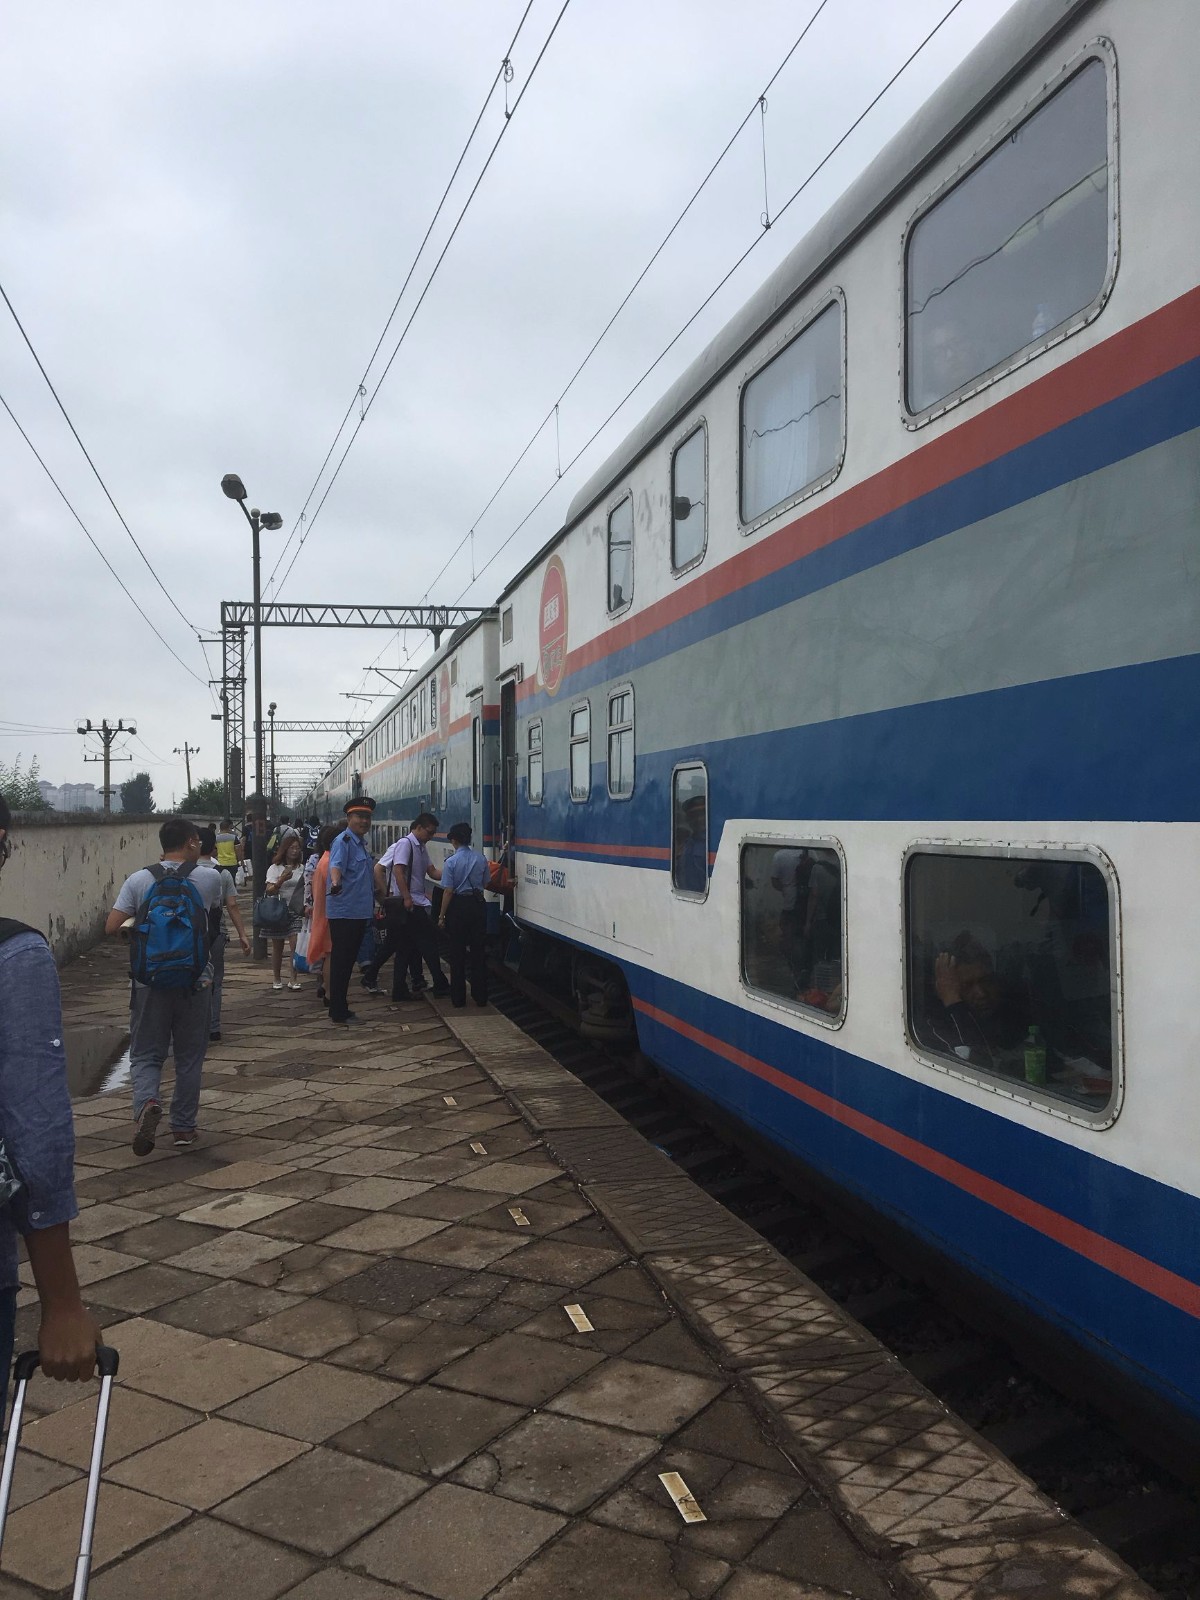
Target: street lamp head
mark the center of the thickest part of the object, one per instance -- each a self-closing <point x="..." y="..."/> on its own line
<point x="233" y="486"/>
<point x="271" y="708"/>
<point x="272" y="521"/>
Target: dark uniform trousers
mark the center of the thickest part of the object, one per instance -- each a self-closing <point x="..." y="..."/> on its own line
<point x="423" y="939"/>
<point x="396" y="942"/>
<point x="466" y="935"/>
<point x="345" y="936"/>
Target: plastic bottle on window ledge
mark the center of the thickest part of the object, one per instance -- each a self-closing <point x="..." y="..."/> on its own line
<point x="1035" y="1056"/>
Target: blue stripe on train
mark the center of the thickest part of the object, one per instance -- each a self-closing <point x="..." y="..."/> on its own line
<point x="1146" y="416"/>
<point x="1153" y="1339"/>
<point x="1117" y="745"/>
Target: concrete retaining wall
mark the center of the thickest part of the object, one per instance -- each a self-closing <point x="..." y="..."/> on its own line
<point x="65" y="872"/>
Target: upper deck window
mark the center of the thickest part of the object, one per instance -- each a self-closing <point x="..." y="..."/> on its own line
<point x="620" y="743"/>
<point x="1015" y="249"/>
<point x="620" y="555"/>
<point x="792" y="417"/>
<point x="689" y="499"/>
<point x="580" y="749"/>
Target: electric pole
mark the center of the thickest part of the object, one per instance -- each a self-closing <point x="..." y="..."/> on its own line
<point x="106" y="733"/>
<point x="188" y="751"/>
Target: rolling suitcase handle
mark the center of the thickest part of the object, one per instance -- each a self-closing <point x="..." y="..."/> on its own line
<point x="24" y="1368"/>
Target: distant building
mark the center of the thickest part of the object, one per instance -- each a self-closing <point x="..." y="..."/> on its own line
<point x="73" y="796"/>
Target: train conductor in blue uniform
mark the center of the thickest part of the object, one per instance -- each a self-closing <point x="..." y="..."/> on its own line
<point x="463" y="916"/>
<point x="349" y="903"/>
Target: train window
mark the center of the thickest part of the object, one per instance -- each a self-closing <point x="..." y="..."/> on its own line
<point x="689" y="500"/>
<point x="433" y="703"/>
<point x="792" y="943"/>
<point x="1010" y="971"/>
<point x="581" y="751"/>
<point x="792" y="417"/>
<point x="506" y="625"/>
<point x="443" y="789"/>
<point x="1016" y="249"/>
<point x="433" y="786"/>
<point x="533" y="786"/>
<point x="620" y="743"/>
<point x="476" y="757"/>
<point x="453" y="671"/>
<point x="620" y="555"/>
<point x="689" y="829"/>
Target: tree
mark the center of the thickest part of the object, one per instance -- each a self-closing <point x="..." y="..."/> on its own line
<point x="204" y="799"/>
<point x="137" y="794"/>
<point x="20" y="789"/>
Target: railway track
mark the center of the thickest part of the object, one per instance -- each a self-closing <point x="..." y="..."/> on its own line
<point x="1113" y="1488"/>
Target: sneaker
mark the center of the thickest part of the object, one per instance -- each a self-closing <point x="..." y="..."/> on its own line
<point x="182" y="1140"/>
<point x="295" y="986"/>
<point x="370" y="986"/>
<point x="215" y="1036"/>
<point x="278" y="984"/>
<point x="147" y="1127"/>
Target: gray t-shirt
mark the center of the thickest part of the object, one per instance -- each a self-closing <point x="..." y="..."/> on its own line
<point x="137" y="886"/>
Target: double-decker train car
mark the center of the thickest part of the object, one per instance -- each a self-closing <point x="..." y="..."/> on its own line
<point x="846" y="728"/>
<point x="855" y="702"/>
<point x="434" y="748"/>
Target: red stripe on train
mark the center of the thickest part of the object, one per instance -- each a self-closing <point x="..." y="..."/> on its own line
<point x="1136" y="1269"/>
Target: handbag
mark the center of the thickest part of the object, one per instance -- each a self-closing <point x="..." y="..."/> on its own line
<point x="272" y="915"/>
<point x="300" y="953"/>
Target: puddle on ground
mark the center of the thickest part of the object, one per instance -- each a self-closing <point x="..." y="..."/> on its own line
<point x="97" y="1058"/>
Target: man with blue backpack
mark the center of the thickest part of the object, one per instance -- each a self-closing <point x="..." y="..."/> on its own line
<point x="166" y="910"/>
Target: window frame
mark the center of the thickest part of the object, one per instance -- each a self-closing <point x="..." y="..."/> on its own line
<point x="1099" y="50"/>
<point x="613" y="507"/>
<point x="1026" y="1095"/>
<point x="621" y="727"/>
<point x="697" y="425"/>
<point x="477" y="755"/>
<point x="530" y="753"/>
<point x="695" y="896"/>
<point x="835" y="295"/>
<point x="830" y="1021"/>
<point x="433" y="704"/>
<point x="506" y="624"/>
<point x="572" y="740"/>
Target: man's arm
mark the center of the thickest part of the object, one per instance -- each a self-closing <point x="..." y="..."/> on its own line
<point x="235" y="916"/>
<point x="68" y="1335"/>
<point x="337" y="861"/>
<point x="380" y="881"/>
<point x="115" y="920"/>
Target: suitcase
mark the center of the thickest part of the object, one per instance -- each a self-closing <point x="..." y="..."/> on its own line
<point x="24" y="1368"/>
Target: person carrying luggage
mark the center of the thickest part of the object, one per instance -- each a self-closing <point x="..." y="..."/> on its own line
<point x="38" y="1152"/>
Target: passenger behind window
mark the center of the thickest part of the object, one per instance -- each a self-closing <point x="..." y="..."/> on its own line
<point x="792" y="924"/>
<point x="691" y="846"/>
<point x="1019" y="985"/>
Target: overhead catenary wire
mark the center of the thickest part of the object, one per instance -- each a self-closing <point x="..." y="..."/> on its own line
<point x="626" y="298"/>
<point x="428" y="285"/>
<point x="792" y="198"/>
<point x="504" y="71"/>
<point x="87" y="456"/>
<point x="88" y="536"/>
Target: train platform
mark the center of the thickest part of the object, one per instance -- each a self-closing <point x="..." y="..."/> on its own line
<point x="422" y="1317"/>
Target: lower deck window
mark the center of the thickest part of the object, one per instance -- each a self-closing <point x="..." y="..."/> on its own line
<point x="534" y="775"/>
<point x="689" y="829"/>
<point x="792" y="924"/>
<point x="1010" y="970"/>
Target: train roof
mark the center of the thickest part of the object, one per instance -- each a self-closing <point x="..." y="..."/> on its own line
<point x="1005" y="52"/>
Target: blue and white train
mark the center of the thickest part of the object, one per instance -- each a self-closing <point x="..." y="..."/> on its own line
<point x="846" y="733"/>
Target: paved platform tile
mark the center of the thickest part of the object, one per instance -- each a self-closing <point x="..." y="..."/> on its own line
<point x="632" y="1569"/>
<point x="221" y="1563"/>
<point x="237" y="1209"/>
<point x="314" y="1402"/>
<point x="137" y="1421"/>
<point x="322" y="1501"/>
<point x="456" y="1544"/>
<point x="520" y="1369"/>
<point x="636" y="1395"/>
<point x="206" y="1464"/>
<point x="129" y="1519"/>
<point x="230" y="1253"/>
<point x="429" y="1431"/>
<point x="557" y="1462"/>
<point x="218" y="1374"/>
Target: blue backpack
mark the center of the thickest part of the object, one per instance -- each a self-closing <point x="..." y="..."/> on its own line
<point x="168" y="943"/>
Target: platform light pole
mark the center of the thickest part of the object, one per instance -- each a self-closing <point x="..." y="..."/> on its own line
<point x="271" y="710"/>
<point x="234" y="489"/>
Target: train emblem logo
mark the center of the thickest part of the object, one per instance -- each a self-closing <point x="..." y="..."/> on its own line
<point x="552" y="626"/>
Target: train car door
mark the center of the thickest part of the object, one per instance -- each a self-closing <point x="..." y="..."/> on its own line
<point x="477" y="783"/>
<point x="508" y="758"/>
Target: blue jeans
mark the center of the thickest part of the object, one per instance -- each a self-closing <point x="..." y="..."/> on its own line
<point x="8" y="1320"/>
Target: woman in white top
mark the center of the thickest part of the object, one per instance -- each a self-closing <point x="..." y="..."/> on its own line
<point x="285" y="877"/>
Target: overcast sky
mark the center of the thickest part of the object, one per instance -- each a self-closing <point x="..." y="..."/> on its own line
<point x="206" y="215"/>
